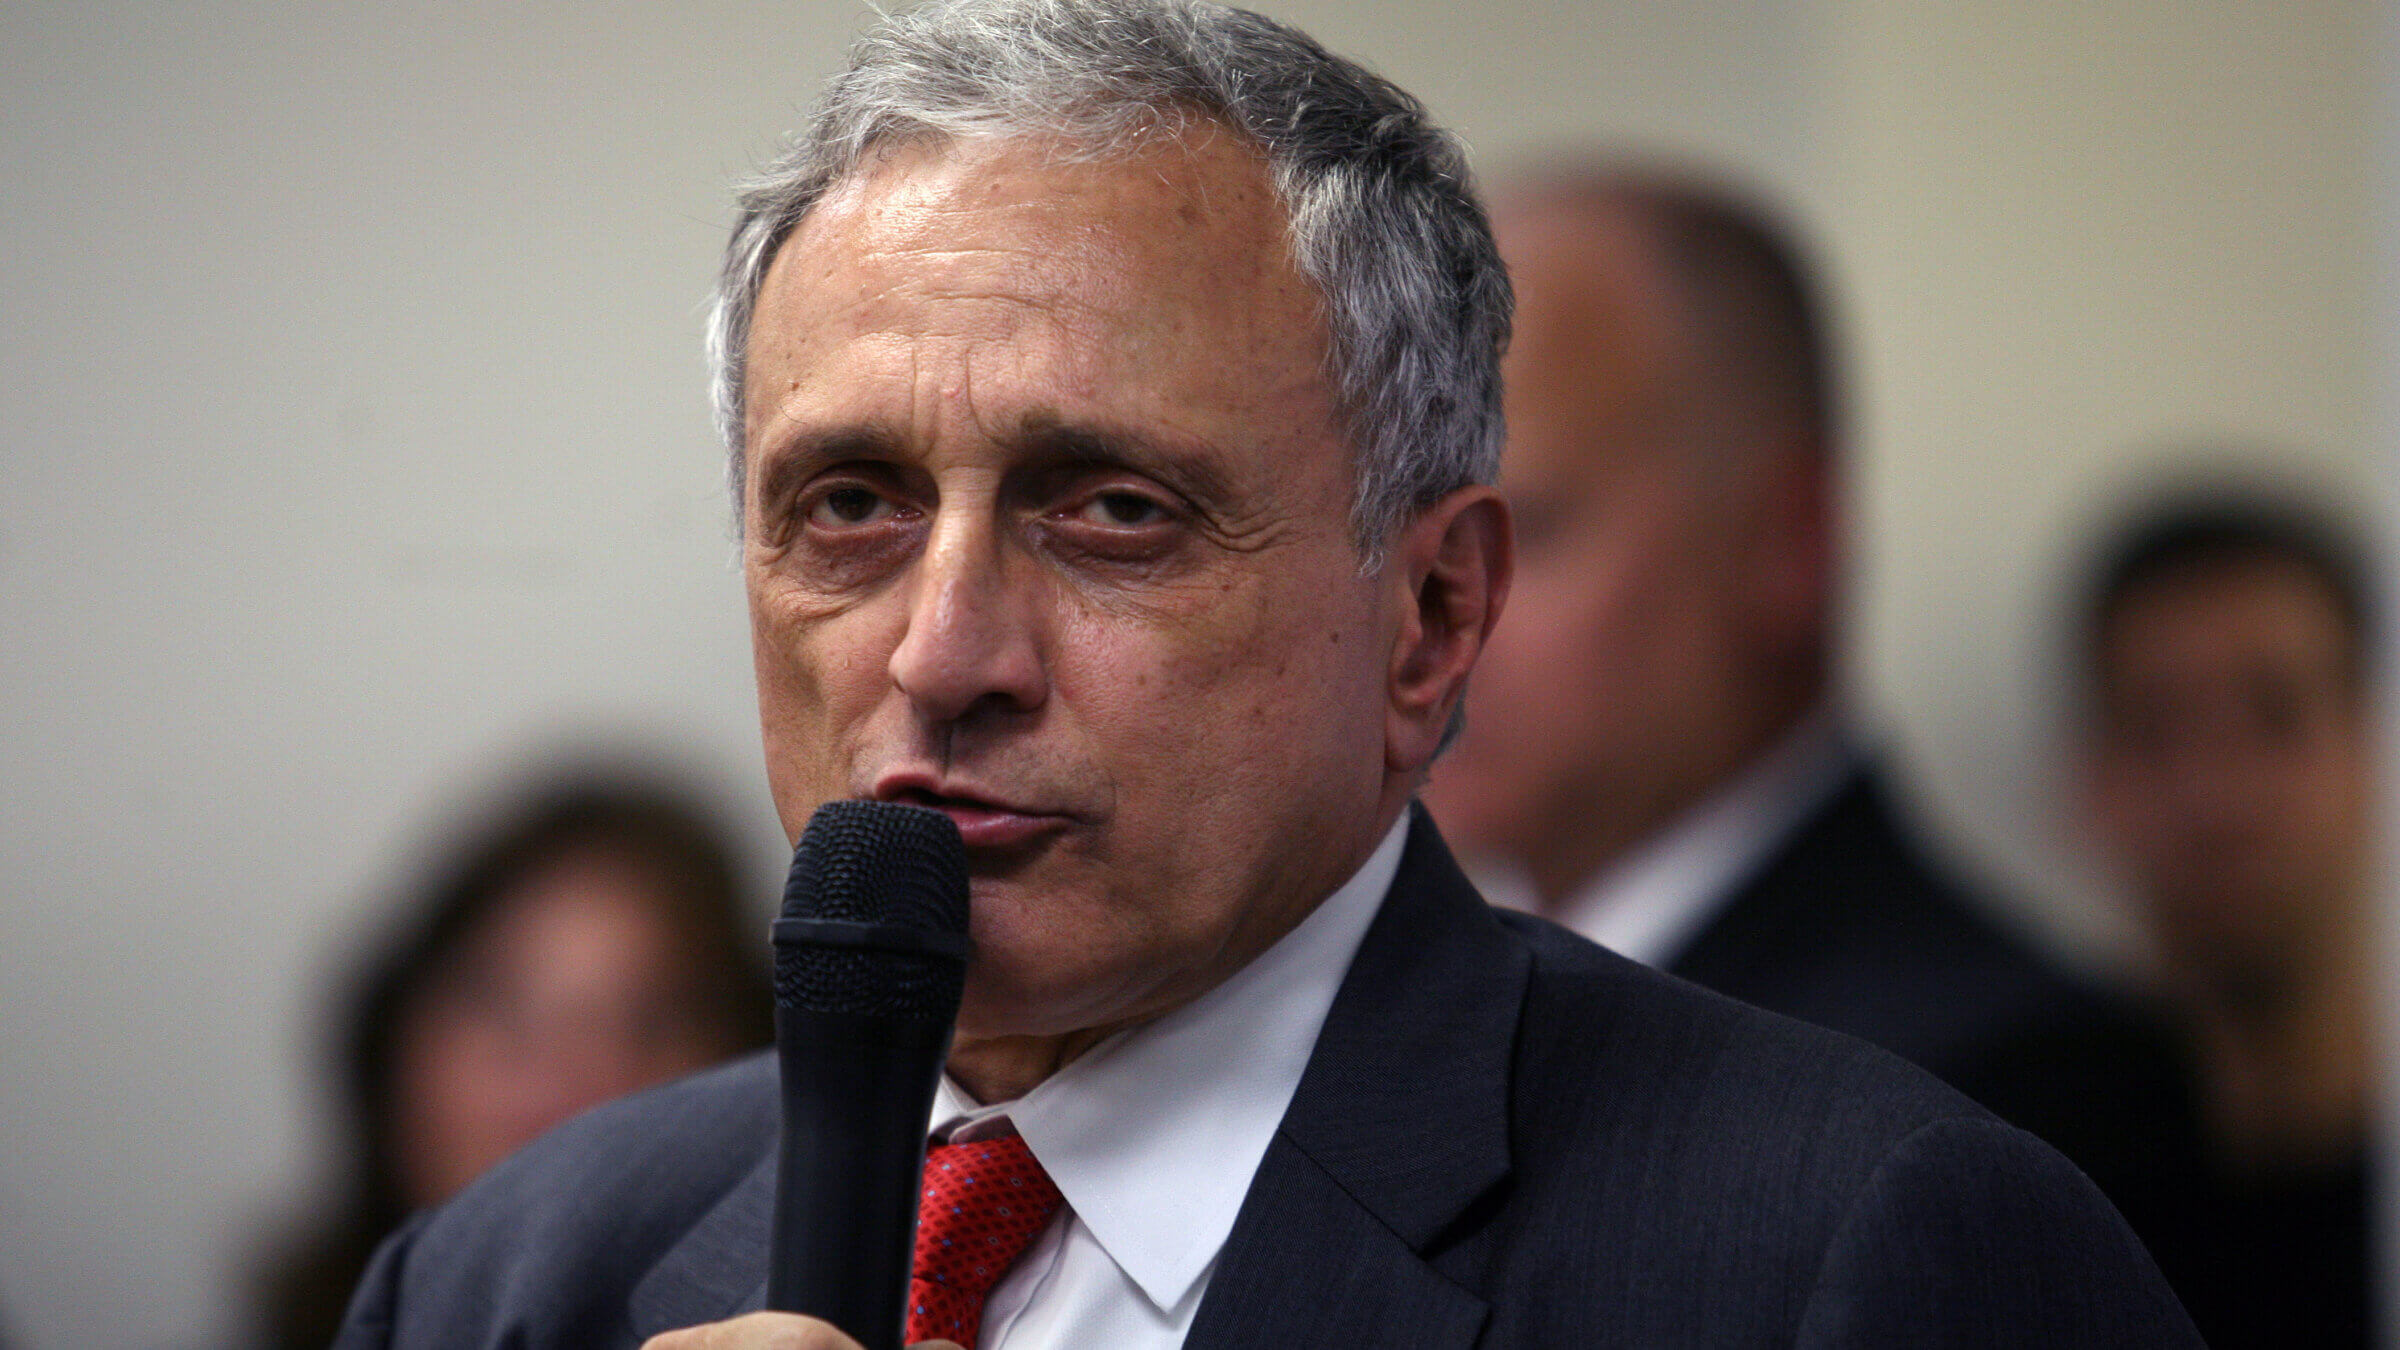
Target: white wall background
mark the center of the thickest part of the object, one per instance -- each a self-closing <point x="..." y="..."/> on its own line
<point x="352" y="452"/>
<point x="2069" y="233"/>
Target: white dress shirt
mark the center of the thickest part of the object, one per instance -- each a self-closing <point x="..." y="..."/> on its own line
<point x="1152" y="1137"/>
<point x="1652" y="903"/>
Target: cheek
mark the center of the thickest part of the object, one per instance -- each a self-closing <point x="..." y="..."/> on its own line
<point x="2119" y="819"/>
<point x="1560" y="653"/>
<point x="1540" y="636"/>
<point x="2134" y="800"/>
<point x="1144" y="692"/>
<point x="2323" y="798"/>
<point x="1233" y="689"/>
<point x="447" y="1085"/>
<point x="820" y="677"/>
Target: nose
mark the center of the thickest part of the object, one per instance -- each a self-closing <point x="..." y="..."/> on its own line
<point x="973" y="642"/>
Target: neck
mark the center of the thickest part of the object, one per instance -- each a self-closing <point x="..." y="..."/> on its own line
<point x="1004" y="1068"/>
<point x="2286" y="1059"/>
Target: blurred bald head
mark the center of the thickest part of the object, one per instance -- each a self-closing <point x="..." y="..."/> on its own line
<point x="1721" y="291"/>
<point x="1670" y="405"/>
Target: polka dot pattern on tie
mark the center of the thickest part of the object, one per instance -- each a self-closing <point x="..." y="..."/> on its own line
<point x="982" y="1206"/>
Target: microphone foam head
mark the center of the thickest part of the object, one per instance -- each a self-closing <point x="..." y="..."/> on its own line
<point x="884" y="864"/>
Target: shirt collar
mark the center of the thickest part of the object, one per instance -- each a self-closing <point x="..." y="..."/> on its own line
<point x="1154" y="1134"/>
<point x="1653" y="902"/>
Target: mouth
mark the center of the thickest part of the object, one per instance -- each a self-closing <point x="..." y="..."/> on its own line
<point x="984" y="822"/>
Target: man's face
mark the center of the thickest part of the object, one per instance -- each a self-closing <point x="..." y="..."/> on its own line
<point x="1047" y="526"/>
<point x="2229" y="763"/>
<point x="1607" y="699"/>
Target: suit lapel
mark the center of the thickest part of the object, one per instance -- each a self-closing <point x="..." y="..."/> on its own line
<point x="1308" y="1265"/>
<point x="1399" y="1124"/>
<point x="718" y="1268"/>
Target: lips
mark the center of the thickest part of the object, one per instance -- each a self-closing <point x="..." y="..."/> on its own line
<point x="984" y="821"/>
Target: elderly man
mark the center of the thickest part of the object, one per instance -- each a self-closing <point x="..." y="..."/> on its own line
<point x="1115" y="386"/>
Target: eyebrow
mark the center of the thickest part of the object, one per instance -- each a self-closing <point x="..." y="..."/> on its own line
<point x="1191" y="467"/>
<point x="1043" y="436"/>
<point x="784" y="466"/>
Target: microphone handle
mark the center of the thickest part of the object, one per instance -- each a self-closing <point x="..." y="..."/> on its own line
<point x="857" y="1094"/>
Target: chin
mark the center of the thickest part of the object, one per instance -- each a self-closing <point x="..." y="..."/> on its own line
<point x="1021" y="994"/>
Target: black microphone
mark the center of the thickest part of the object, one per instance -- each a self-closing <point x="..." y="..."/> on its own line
<point x="870" y="960"/>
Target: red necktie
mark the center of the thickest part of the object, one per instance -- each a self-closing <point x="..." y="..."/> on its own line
<point x="982" y="1206"/>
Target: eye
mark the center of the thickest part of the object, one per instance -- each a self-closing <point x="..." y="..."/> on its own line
<point x="847" y="506"/>
<point x="1108" y="516"/>
<point x="1121" y="510"/>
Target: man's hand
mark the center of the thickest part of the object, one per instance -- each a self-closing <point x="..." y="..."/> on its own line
<point x="768" y="1331"/>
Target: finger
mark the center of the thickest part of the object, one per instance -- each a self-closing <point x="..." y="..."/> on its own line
<point x="756" y="1331"/>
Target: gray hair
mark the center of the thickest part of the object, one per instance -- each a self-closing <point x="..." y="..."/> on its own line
<point x="1383" y="219"/>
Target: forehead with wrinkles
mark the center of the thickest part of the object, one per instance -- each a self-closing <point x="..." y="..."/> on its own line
<point x="1176" y="254"/>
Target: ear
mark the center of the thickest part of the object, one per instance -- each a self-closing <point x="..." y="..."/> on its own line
<point x="1455" y="559"/>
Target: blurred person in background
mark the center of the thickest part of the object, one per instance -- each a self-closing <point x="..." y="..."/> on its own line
<point x="593" y="942"/>
<point x="2228" y="774"/>
<point x="1654" y="754"/>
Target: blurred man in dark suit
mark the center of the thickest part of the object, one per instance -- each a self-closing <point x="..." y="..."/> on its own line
<point x="2228" y="767"/>
<point x="1655" y="751"/>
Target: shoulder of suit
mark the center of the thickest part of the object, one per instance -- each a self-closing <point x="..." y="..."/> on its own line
<point x="600" y="1196"/>
<point x="1725" y="1070"/>
<point x="710" y="1128"/>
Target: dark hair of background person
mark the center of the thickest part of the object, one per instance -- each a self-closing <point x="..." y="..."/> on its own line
<point x="692" y="879"/>
<point x="2209" y="527"/>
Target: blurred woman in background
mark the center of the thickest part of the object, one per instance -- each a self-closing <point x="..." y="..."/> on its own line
<point x="592" y="943"/>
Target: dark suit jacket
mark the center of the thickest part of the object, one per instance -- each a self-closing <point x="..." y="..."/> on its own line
<point x="1506" y="1137"/>
<point x="1850" y="925"/>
